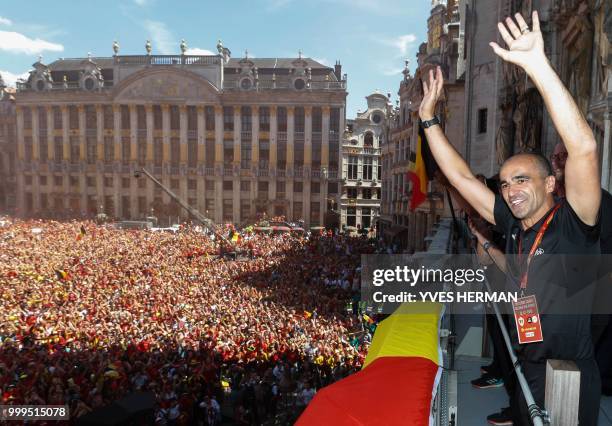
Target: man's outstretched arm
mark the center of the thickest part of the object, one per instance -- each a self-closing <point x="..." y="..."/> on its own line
<point x="526" y="49"/>
<point x="450" y="162"/>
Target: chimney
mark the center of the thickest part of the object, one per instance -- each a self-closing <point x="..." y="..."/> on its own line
<point x="338" y="71"/>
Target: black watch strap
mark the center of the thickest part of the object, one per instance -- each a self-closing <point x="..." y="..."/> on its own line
<point x="429" y="123"/>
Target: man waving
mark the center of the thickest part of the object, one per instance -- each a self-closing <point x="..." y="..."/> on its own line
<point x="536" y="223"/>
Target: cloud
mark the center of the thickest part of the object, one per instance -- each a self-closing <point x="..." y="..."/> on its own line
<point x="14" y="42"/>
<point x="402" y="43"/>
<point x="5" y="21"/>
<point x="198" y="51"/>
<point x="10" y="78"/>
<point x="392" y="71"/>
<point x="161" y="37"/>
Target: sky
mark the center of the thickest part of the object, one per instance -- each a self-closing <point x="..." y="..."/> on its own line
<point x="370" y="38"/>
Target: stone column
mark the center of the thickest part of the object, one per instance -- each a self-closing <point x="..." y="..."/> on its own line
<point x="219" y="133"/>
<point x="183" y="157"/>
<point x="82" y="146"/>
<point x="134" y="161"/>
<point x="255" y="155"/>
<point x="201" y="183"/>
<point x="99" y="135"/>
<point x="50" y="137"/>
<point x="117" y="154"/>
<point x="65" y="137"/>
<point x="236" y="165"/>
<point x="166" y="149"/>
<point x="150" y="191"/>
<point x="20" y="193"/>
<point x="100" y="155"/>
<point x="307" y="165"/>
<point x="325" y="113"/>
<point x="273" y="153"/>
<point x="35" y="159"/>
<point x="290" y="154"/>
<point x="606" y="161"/>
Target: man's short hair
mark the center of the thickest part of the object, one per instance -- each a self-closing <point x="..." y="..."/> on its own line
<point x="541" y="161"/>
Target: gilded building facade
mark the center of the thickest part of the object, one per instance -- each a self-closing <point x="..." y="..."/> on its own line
<point x="235" y="138"/>
<point x="361" y="166"/>
<point x="8" y="145"/>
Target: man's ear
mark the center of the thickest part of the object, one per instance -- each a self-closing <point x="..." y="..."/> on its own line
<point x="550" y="182"/>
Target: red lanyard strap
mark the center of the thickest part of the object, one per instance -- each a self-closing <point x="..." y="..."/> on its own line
<point x="536" y="243"/>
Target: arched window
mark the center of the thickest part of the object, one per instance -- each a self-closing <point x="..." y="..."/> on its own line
<point x="368" y="139"/>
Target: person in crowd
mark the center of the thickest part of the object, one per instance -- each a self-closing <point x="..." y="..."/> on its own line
<point x="89" y="317"/>
<point x="527" y="212"/>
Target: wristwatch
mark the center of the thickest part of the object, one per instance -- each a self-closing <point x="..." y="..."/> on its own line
<point x="486" y="246"/>
<point x="428" y="123"/>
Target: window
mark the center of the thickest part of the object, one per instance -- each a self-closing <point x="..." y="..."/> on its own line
<point x="58" y="180"/>
<point x="297" y="210"/>
<point x="158" y="151"/>
<point x="245" y="119"/>
<point x="368" y="139"/>
<point x="299" y="119"/>
<point x="43" y="181"/>
<point x="262" y="187"/>
<point x="298" y="187"/>
<point x="43" y="148"/>
<point x="125" y="149"/>
<point x="174" y="183"/>
<point x="175" y="117"/>
<point x="366" y="193"/>
<point x="75" y="149"/>
<point x="245" y="185"/>
<point x="192" y="153"/>
<point x="315" y="208"/>
<point x="108" y="182"/>
<point x="192" y="184"/>
<point x="74" y="181"/>
<point x="125" y="183"/>
<point x="28" y="180"/>
<point x="109" y="149"/>
<point x="91" y="181"/>
<point x="264" y="119"/>
<point x="482" y="120"/>
<point x="315" y="187"/>
<point x="366" y="217"/>
<point x="351" y="192"/>
<point x="92" y="151"/>
<point x="175" y="151"/>
<point x="280" y="189"/>
<point x="210" y="185"/>
<point x="367" y="168"/>
<point x="228" y="210"/>
<point x="228" y="118"/>
<point x="245" y="154"/>
<point x="352" y="167"/>
<point x="351" y="216"/>
<point x="209" y="114"/>
<point x="332" y="188"/>
<point x="228" y="185"/>
<point x="57" y="118"/>
<point x="158" y="121"/>
<point x="125" y="117"/>
<point x="142" y="151"/>
<point x="142" y="183"/>
<point x="281" y="119"/>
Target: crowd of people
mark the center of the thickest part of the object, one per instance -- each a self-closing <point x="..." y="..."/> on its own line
<point x="90" y="314"/>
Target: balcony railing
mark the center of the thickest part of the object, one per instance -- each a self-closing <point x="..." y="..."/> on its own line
<point x="167" y="60"/>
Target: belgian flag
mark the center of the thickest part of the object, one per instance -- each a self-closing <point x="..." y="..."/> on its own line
<point x="422" y="171"/>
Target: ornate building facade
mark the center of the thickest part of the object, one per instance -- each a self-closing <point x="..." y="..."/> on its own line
<point x="361" y="166"/>
<point x="409" y="229"/>
<point x="232" y="137"/>
<point x="8" y="146"/>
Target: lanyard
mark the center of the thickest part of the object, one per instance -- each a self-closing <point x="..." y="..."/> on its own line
<point x="536" y="243"/>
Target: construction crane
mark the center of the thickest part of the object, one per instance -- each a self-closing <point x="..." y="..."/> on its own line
<point x="206" y="222"/>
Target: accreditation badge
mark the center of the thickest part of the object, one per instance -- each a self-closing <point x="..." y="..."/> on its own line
<point x="527" y="320"/>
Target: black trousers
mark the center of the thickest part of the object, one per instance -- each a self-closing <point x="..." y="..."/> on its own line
<point x="502" y="365"/>
<point x="535" y="374"/>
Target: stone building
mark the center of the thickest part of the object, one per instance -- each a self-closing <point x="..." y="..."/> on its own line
<point x="398" y="223"/>
<point x="505" y="113"/>
<point x="233" y="137"/>
<point x="7" y="148"/>
<point x="361" y="167"/>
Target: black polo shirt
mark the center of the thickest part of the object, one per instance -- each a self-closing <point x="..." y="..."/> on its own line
<point x="561" y="276"/>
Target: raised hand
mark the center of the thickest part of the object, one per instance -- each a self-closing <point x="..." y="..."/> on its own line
<point x="525" y="45"/>
<point x="431" y="94"/>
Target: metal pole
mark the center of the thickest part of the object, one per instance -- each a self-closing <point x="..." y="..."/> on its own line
<point x="535" y="412"/>
<point x="195" y="213"/>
